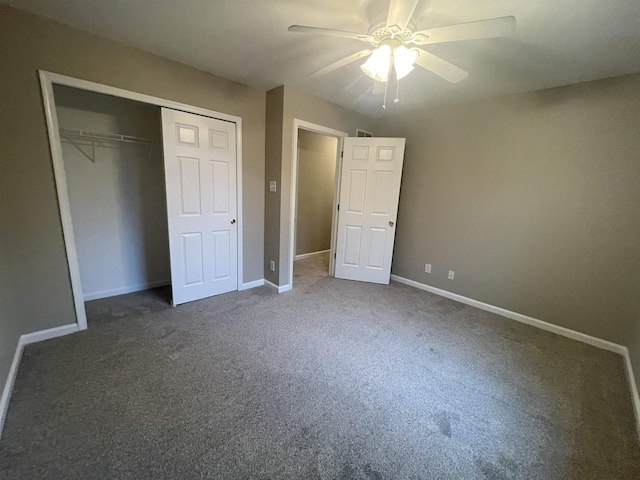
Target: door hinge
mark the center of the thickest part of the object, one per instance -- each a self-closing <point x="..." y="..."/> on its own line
<point x="342" y="154"/>
<point x="338" y="207"/>
<point x="334" y="256"/>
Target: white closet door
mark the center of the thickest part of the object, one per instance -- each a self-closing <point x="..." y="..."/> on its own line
<point x="370" y="187"/>
<point x="200" y="169"/>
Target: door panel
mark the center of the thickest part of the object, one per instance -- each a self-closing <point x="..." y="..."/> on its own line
<point x="220" y="174"/>
<point x="353" y="242"/>
<point x="200" y="170"/>
<point x="371" y="173"/>
<point x="358" y="183"/>
<point x="190" y="186"/>
<point x="192" y="257"/>
<point x="222" y="248"/>
<point x="378" y="237"/>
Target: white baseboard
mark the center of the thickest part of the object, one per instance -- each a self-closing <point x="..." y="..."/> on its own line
<point x="550" y="327"/>
<point x="248" y="285"/>
<point x="124" y="290"/>
<point x="312" y="254"/>
<point x="279" y="289"/>
<point x="635" y="398"/>
<point x="8" y="386"/>
<point x="42" y="335"/>
<point x="24" y="340"/>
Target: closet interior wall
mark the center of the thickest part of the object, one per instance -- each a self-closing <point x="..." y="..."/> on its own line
<point x="116" y="191"/>
<point x="316" y="185"/>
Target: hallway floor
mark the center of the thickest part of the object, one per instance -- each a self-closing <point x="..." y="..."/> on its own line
<point x="309" y="271"/>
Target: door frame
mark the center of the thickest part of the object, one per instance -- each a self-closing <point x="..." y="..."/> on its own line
<point x="47" y="81"/>
<point x="340" y="136"/>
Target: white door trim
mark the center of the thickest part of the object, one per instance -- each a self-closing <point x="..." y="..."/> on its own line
<point x="340" y="136"/>
<point x="47" y="80"/>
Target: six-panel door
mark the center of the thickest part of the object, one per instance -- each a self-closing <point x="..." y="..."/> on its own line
<point x="369" y="191"/>
<point x="200" y="171"/>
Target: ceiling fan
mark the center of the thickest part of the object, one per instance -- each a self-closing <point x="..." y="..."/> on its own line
<point x="394" y="44"/>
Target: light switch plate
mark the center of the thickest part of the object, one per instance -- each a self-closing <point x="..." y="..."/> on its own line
<point x="272" y="186"/>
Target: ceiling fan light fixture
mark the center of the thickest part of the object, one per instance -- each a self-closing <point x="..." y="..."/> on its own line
<point x="403" y="60"/>
<point x="378" y="64"/>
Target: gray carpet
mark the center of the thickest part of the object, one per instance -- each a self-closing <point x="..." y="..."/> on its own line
<point x="334" y="380"/>
<point x="311" y="270"/>
<point x="105" y="310"/>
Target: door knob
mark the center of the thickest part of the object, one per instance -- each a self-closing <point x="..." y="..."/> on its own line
<point x="233" y="221"/>
<point x="391" y="224"/>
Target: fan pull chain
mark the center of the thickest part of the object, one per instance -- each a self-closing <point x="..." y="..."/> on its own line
<point x="386" y="84"/>
<point x="397" y="99"/>
<point x="384" y="103"/>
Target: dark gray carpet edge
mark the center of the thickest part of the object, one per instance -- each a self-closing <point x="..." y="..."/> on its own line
<point x="333" y="380"/>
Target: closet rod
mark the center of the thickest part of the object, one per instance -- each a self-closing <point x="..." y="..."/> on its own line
<point x="66" y="132"/>
<point x="94" y="137"/>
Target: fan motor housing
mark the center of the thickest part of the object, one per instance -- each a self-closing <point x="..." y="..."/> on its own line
<point x="381" y="33"/>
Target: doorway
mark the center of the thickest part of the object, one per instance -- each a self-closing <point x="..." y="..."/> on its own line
<point x="317" y="161"/>
<point x="86" y="147"/>
<point x="315" y="181"/>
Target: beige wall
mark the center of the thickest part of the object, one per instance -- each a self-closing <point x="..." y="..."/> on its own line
<point x="533" y="200"/>
<point x="633" y="343"/>
<point x="35" y="291"/>
<point x="316" y="187"/>
<point x="9" y="331"/>
<point x="273" y="163"/>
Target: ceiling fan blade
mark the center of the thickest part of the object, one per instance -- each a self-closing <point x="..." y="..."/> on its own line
<point x="341" y="63"/>
<point x="440" y="67"/>
<point x="492" y="28"/>
<point x="400" y="13"/>
<point x="363" y="37"/>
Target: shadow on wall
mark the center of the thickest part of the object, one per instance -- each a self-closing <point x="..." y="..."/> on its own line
<point x="143" y="194"/>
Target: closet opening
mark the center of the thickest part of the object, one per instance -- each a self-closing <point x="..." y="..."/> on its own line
<point x="174" y="208"/>
<point x="115" y="179"/>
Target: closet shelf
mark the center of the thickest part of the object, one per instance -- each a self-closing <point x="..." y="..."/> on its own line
<point x="115" y="137"/>
<point x="94" y="137"/>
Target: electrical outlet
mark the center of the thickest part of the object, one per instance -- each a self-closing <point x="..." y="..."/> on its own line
<point x="451" y="274"/>
<point x="272" y="265"/>
<point x="427" y="268"/>
<point x="272" y="186"/>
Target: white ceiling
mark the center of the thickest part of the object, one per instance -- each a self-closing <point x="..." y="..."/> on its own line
<point x="557" y="42"/>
